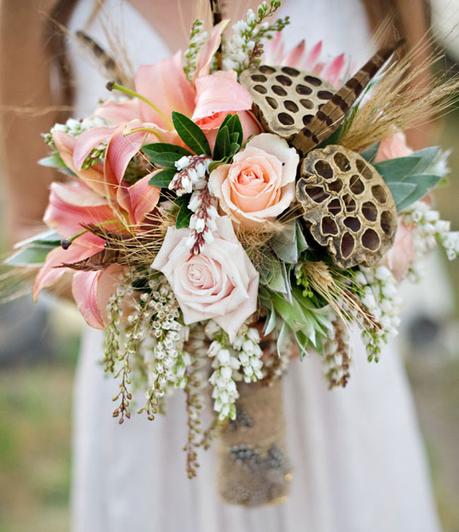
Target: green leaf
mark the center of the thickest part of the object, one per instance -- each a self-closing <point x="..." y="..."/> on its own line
<point x="302" y="341"/>
<point x="29" y="256"/>
<point x="270" y="322"/>
<point x="222" y="144"/>
<point x="48" y="238"/>
<point x="54" y="160"/>
<point x="423" y="183"/>
<point x="184" y="213"/>
<point x="370" y="153"/>
<point x="163" y="178"/>
<point x="410" y="178"/>
<point x="235" y="128"/>
<point x="276" y="280"/>
<point x="398" y="169"/>
<point x="282" y="339"/>
<point x="401" y="191"/>
<point x="301" y="242"/>
<point x="234" y="148"/>
<point x="191" y="134"/>
<point x="284" y="244"/>
<point x="163" y="154"/>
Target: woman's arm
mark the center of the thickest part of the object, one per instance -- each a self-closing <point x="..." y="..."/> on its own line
<point x="25" y="96"/>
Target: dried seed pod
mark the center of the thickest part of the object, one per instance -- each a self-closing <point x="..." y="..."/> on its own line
<point x="347" y="206"/>
<point x="285" y="99"/>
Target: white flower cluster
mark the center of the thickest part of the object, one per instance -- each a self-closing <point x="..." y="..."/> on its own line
<point x="232" y="363"/>
<point x="430" y="230"/>
<point x="203" y="221"/>
<point x="197" y="38"/>
<point x="224" y="392"/>
<point x="169" y="362"/>
<point x="239" y="50"/>
<point x="191" y="174"/>
<point x="75" y="127"/>
<point x="247" y="345"/>
<point x="380" y="296"/>
<point x="336" y="353"/>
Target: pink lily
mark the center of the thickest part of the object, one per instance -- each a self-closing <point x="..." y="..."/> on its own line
<point x="107" y="201"/>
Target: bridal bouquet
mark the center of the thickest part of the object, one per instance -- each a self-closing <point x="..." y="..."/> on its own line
<point x="234" y="206"/>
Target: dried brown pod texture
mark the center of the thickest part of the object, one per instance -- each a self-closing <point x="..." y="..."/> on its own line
<point x="347" y="206"/>
<point x="328" y="119"/>
<point x="285" y="99"/>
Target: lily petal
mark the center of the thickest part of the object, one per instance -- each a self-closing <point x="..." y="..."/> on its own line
<point x="166" y="86"/>
<point x="139" y="199"/>
<point x="120" y="150"/>
<point x="210" y="48"/>
<point x="92" y="290"/>
<point x="65" y="145"/>
<point x="82" y="248"/>
<point x="72" y="205"/>
<point x="87" y="141"/>
<point x="119" y="112"/>
<point x="217" y="95"/>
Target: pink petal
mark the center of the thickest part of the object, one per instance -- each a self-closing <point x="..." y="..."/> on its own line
<point x="219" y="93"/>
<point x="274" y="50"/>
<point x="87" y="141"/>
<point x="82" y="248"/>
<point x="209" y="49"/>
<point x="295" y="57"/>
<point x="313" y="56"/>
<point x="92" y="290"/>
<point x="250" y="125"/>
<point x="65" y="145"/>
<point x="119" y="112"/>
<point x="166" y="86"/>
<point x="333" y="73"/>
<point x="72" y="205"/>
<point x="120" y="150"/>
<point x="139" y="199"/>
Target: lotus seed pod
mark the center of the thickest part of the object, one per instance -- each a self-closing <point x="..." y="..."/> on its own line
<point x="285" y="99"/>
<point x="347" y="206"/>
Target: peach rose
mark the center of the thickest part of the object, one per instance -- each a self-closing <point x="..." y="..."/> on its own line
<point x="393" y="147"/>
<point x="220" y="283"/>
<point x="260" y="183"/>
<point x="400" y="257"/>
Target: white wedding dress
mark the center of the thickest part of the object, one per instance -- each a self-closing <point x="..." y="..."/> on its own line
<point x="359" y="464"/>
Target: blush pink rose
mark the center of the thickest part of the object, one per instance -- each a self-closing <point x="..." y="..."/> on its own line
<point x="260" y="183"/>
<point x="393" y="147"/>
<point x="220" y="283"/>
<point x="400" y="256"/>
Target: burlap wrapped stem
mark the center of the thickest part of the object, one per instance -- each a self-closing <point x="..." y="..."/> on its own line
<point x="253" y="466"/>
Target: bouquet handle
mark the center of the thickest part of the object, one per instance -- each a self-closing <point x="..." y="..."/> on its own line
<point x="253" y="466"/>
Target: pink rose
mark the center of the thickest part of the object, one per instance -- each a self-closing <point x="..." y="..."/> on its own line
<point x="393" y="147"/>
<point x="260" y="183"/>
<point x="220" y="283"/>
<point x="400" y="256"/>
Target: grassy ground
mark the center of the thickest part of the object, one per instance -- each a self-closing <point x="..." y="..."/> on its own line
<point x="34" y="448"/>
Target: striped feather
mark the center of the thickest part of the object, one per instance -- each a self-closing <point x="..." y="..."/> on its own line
<point x="112" y="69"/>
<point x="329" y="117"/>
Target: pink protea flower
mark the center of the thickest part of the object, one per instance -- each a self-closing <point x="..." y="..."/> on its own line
<point x="332" y="70"/>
